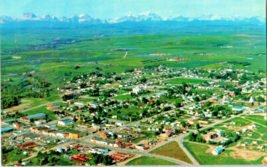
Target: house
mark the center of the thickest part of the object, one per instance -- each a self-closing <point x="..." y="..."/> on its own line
<point x="203" y="121"/>
<point x="7" y="121"/>
<point x="103" y="135"/>
<point x="119" y="123"/>
<point x="210" y="136"/>
<point x="264" y="160"/>
<point x="218" y="150"/>
<point x="235" y="108"/>
<point x="34" y="116"/>
<point x="24" y="145"/>
<point x="93" y="104"/>
<point x="48" y="140"/>
<point x="6" y="129"/>
<point x="252" y="99"/>
<point x="164" y="135"/>
<point x="25" y="163"/>
<point x="99" y="140"/>
<point x="76" y="135"/>
<point x="255" y="142"/>
<point x="112" y="143"/>
<point x="251" y="127"/>
<point x="65" y="122"/>
<point x="259" y="110"/>
<point x="79" y="103"/>
<point x="168" y="130"/>
<point x="137" y="90"/>
<point x="17" y="125"/>
<point x="140" y="146"/>
<point x="114" y="116"/>
<point x="39" y="122"/>
<point x="62" y="134"/>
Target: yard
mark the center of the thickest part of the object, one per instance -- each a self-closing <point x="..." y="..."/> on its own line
<point x="231" y="156"/>
<point x="172" y="150"/>
<point x="144" y="160"/>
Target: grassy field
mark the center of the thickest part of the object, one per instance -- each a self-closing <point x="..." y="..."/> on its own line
<point x="42" y="110"/>
<point x="122" y="97"/>
<point x="172" y="150"/>
<point x="257" y="118"/>
<point x="149" y="161"/>
<point x="223" y="159"/>
<point x="239" y="122"/>
<point x="183" y="80"/>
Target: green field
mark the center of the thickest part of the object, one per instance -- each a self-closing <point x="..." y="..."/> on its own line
<point x="123" y="97"/>
<point x="239" y="122"/>
<point x="172" y="150"/>
<point x="257" y="118"/>
<point x="149" y="161"/>
<point x="184" y="80"/>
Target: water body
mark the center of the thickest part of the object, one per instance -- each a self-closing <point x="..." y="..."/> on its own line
<point x="250" y="58"/>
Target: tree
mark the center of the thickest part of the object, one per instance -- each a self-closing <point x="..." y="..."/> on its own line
<point x="183" y="123"/>
<point x="197" y="126"/>
<point x="192" y="137"/>
<point x="31" y="120"/>
<point x="260" y="99"/>
<point x="144" y="100"/>
<point x="200" y="139"/>
<point x="177" y="131"/>
<point x="19" y="160"/>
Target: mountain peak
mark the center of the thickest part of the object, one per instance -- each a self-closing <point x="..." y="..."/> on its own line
<point x="29" y="16"/>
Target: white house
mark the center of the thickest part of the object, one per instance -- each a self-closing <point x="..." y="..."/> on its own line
<point x="39" y="122"/>
<point x="137" y="90"/>
<point x="65" y="122"/>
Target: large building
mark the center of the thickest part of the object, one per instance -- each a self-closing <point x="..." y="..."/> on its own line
<point x="34" y="116"/>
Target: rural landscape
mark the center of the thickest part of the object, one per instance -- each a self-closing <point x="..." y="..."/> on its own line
<point x="135" y="90"/>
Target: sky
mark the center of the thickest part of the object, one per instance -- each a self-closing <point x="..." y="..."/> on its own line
<point x="110" y="9"/>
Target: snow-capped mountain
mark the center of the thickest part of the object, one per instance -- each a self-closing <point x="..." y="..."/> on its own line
<point x="5" y="19"/>
<point x="30" y="19"/>
<point x="137" y="18"/>
<point x="29" y="16"/>
<point x="48" y="17"/>
<point x="177" y="18"/>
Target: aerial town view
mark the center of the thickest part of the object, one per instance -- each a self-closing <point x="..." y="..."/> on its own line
<point x="132" y="82"/>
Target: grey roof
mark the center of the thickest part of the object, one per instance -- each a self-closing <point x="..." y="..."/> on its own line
<point x="6" y="129"/>
<point x="36" y="115"/>
<point x="9" y="120"/>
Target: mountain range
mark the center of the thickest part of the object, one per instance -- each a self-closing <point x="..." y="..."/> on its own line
<point x="30" y="19"/>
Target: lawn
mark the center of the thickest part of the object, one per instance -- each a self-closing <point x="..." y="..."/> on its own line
<point x="257" y="118"/>
<point x="41" y="110"/>
<point x="184" y="80"/>
<point x="223" y="159"/>
<point x="239" y="121"/>
<point x="172" y="150"/>
<point x="122" y="97"/>
<point x="144" y="160"/>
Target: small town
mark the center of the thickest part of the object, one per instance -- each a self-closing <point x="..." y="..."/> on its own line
<point x="107" y="119"/>
<point x="133" y="83"/>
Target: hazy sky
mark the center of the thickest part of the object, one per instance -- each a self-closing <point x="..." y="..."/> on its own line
<point x="109" y="9"/>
